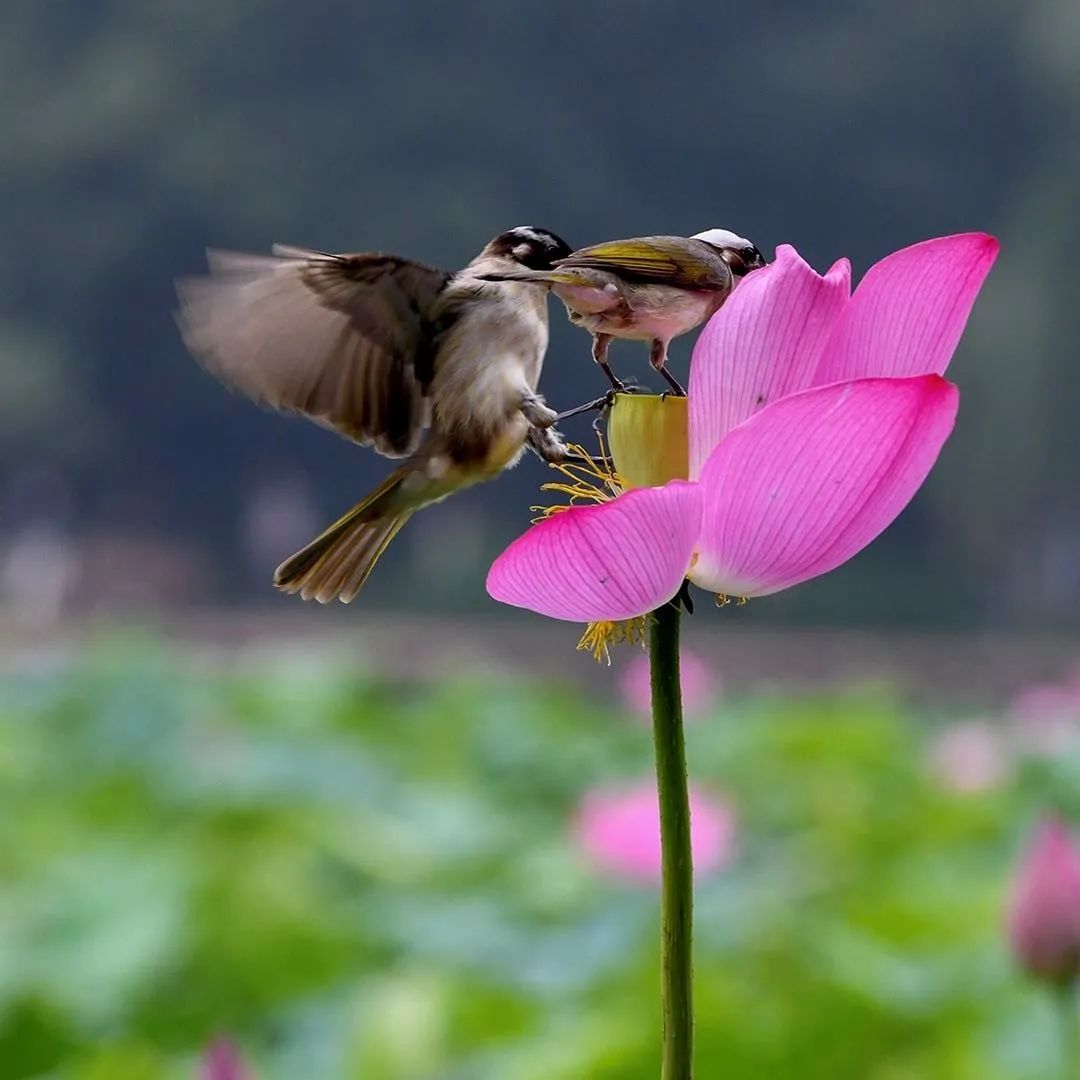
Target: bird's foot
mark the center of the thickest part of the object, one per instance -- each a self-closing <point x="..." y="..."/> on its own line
<point x="676" y="387"/>
<point x="617" y="385"/>
<point x="658" y="360"/>
<point x="548" y="445"/>
<point x="534" y="409"/>
<point x="601" y="404"/>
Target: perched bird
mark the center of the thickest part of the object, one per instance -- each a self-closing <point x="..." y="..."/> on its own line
<point x="649" y="288"/>
<point x="438" y="368"/>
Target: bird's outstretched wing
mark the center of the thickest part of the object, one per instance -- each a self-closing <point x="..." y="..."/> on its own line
<point x="668" y="260"/>
<point x="342" y="339"/>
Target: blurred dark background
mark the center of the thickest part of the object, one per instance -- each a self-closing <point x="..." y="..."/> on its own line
<point x="135" y="135"/>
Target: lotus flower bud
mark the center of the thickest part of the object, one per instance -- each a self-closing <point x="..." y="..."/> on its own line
<point x="222" y="1061"/>
<point x="1044" y="912"/>
<point x="648" y="439"/>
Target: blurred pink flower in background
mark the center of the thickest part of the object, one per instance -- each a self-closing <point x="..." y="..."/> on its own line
<point x="700" y="687"/>
<point x="1044" y="911"/>
<point x="223" y="1061"/>
<point x="1045" y="717"/>
<point x="970" y="757"/>
<point x="618" y="829"/>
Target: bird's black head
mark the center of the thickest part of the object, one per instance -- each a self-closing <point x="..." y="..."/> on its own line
<point x="738" y="252"/>
<point x="535" y="248"/>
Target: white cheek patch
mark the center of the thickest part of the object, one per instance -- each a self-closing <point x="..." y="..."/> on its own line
<point x="722" y="238"/>
<point x="521" y="250"/>
<point x="530" y="234"/>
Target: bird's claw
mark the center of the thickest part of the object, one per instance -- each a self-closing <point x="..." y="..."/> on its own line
<point x="676" y="387"/>
<point x="601" y="404"/>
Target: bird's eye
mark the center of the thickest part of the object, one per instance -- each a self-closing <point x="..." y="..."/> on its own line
<point x="742" y="260"/>
<point x="734" y="259"/>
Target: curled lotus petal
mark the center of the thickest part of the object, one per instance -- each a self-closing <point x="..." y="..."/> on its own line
<point x="613" y="561"/>
<point x="765" y="342"/>
<point x="908" y="312"/>
<point x="618" y="830"/>
<point x="806" y="483"/>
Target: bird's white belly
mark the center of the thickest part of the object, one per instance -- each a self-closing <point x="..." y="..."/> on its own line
<point x="638" y="312"/>
<point x="587" y="299"/>
<point x="489" y="360"/>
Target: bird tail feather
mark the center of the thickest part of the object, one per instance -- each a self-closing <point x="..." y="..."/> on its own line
<point x="338" y="561"/>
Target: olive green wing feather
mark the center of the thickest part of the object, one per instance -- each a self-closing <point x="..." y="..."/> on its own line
<point x="337" y="338"/>
<point x="668" y="260"/>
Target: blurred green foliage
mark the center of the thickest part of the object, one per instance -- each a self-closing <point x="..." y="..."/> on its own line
<point x="368" y="880"/>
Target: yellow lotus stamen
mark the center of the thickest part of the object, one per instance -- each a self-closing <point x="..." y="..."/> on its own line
<point x="722" y="600"/>
<point x="589" y="480"/>
<point x="600" y="636"/>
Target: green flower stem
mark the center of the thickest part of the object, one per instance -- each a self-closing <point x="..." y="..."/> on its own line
<point x="676" y="913"/>
<point x="1070" y="1032"/>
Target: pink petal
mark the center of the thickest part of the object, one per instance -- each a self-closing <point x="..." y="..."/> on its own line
<point x="765" y="342"/>
<point x="909" y="311"/>
<point x="806" y="483"/>
<point x="618" y="830"/>
<point x="613" y="561"/>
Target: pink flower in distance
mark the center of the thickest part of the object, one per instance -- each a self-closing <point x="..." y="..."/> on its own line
<point x="1045" y="717"/>
<point x="814" y="417"/>
<point x="618" y="829"/>
<point x="1044" y="911"/>
<point x="969" y="758"/>
<point x="222" y="1061"/>
<point x="700" y="687"/>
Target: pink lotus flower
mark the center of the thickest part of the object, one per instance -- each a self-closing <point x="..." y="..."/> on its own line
<point x="814" y="417"/>
<point x="699" y="686"/>
<point x="969" y="758"/>
<point x="1044" y="912"/>
<point x="222" y="1061"/>
<point x="1045" y="717"/>
<point x="618" y="829"/>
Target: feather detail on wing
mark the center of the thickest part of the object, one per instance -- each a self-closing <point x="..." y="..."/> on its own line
<point x="337" y="338"/>
<point x="667" y="260"/>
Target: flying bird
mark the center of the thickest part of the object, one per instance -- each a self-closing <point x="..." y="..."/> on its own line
<point x="440" y="369"/>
